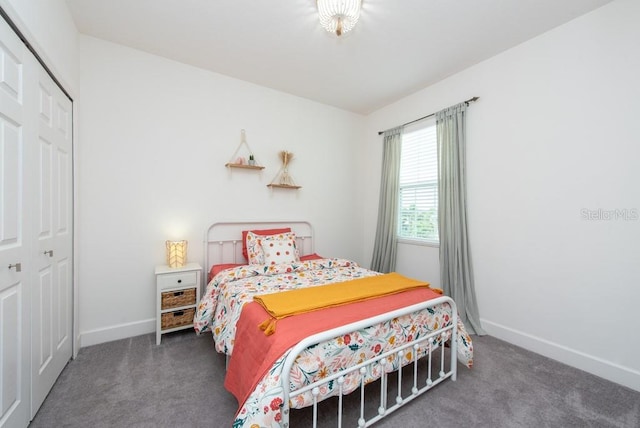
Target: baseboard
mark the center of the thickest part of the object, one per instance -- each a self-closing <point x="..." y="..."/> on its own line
<point x="594" y="365"/>
<point x="117" y="332"/>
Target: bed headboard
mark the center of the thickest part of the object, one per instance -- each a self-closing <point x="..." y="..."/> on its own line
<point x="223" y="240"/>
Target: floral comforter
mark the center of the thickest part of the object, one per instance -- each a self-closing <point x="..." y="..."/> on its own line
<point x="219" y="311"/>
<point x="221" y="305"/>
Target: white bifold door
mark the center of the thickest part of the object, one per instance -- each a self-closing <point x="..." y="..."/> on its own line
<point x="35" y="231"/>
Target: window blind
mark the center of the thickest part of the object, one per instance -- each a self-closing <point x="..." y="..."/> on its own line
<point x="418" y="204"/>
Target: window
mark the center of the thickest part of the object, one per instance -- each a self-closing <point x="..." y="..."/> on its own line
<point x="418" y="205"/>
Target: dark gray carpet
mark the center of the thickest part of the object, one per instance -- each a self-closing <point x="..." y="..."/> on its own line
<point x="134" y="383"/>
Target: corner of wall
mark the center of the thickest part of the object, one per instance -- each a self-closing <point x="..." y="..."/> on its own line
<point x="596" y="366"/>
<point x="117" y="332"/>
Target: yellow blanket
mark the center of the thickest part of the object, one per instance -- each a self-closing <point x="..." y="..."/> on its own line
<point x="288" y="303"/>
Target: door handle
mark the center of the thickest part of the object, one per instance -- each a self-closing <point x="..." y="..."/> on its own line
<point x="17" y="266"/>
<point x="50" y="253"/>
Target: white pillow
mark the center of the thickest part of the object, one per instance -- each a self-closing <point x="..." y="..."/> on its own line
<point x="279" y="248"/>
<point x="255" y="255"/>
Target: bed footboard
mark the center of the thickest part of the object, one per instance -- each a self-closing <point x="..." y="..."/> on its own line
<point x="380" y="366"/>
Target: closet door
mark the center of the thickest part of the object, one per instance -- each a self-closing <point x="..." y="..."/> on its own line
<point x="35" y="231"/>
<point x="51" y="322"/>
<point x="15" y="222"/>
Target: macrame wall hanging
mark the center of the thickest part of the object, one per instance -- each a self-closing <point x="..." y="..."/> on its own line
<point x="283" y="179"/>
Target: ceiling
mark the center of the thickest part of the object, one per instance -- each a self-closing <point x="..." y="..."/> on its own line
<point x="398" y="47"/>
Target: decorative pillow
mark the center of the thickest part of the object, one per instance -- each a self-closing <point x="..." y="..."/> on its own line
<point x="265" y="232"/>
<point x="255" y="256"/>
<point x="279" y="249"/>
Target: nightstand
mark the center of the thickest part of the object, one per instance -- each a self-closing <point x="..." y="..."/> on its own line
<point x="177" y="297"/>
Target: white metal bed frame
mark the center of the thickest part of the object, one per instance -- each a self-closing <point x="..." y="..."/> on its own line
<point x="223" y="244"/>
<point x="384" y="409"/>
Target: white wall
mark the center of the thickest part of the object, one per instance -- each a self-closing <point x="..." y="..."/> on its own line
<point x="156" y="135"/>
<point x="555" y="132"/>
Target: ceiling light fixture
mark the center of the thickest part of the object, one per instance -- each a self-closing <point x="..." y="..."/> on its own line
<point x="339" y="16"/>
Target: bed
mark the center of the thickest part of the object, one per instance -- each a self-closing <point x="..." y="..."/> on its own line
<point x="276" y="364"/>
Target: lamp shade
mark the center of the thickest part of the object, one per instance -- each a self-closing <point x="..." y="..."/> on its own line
<point x="339" y="16"/>
<point x="176" y="253"/>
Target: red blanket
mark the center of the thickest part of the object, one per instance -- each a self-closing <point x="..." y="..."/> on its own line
<point x="254" y="353"/>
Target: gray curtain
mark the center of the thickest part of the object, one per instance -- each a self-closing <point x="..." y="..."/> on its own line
<point x="385" y="247"/>
<point x="456" y="271"/>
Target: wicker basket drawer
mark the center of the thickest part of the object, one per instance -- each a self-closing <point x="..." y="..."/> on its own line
<point x="177" y="298"/>
<point x="177" y="318"/>
<point x="178" y="279"/>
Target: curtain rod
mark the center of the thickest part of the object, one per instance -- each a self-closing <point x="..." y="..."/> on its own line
<point x="470" y="100"/>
